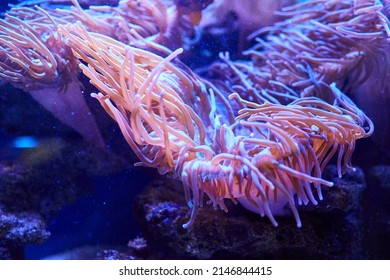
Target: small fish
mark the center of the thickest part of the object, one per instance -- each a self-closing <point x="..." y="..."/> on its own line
<point x="192" y="8"/>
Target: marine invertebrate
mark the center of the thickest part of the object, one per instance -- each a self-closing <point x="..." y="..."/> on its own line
<point x="264" y="146"/>
<point x="265" y="155"/>
<point x="317" y="43"/>
<point x="127" y="22"/>
<point x="34" y="58"/>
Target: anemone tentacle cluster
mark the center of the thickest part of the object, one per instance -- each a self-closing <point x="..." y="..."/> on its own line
<point x="269" y="153"/>
<point x="263" y="134"/>
<point x="34" y="57"/>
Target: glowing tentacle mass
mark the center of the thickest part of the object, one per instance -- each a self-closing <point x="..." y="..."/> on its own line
<point x="263" y="155"/>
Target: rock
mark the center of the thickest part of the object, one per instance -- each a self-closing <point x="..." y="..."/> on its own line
<point x="239" y="234"/>
<point x="18" y="229"/>
<point x="377" y="213"/>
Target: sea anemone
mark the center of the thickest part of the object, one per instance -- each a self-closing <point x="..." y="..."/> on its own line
<point x="317" y="43"/>
<point x="260" y="136"/>
<point x="266" y="156"/>
<point x="34" y="58"/>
